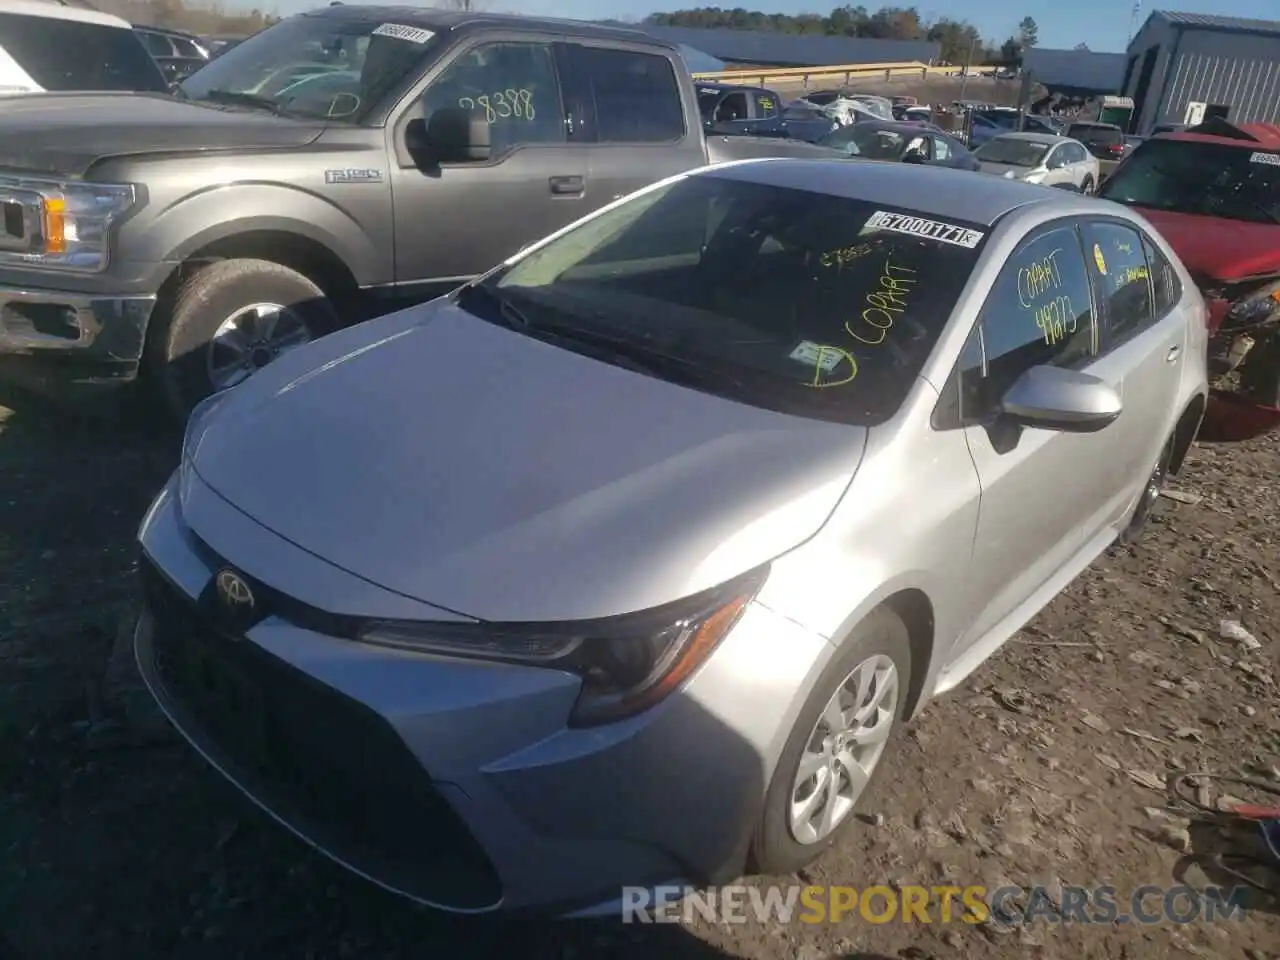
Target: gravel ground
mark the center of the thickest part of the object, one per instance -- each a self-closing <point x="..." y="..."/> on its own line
<point x="119" y="842"/>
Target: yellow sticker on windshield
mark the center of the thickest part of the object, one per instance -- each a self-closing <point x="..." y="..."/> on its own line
<point x="1098" y="259"/>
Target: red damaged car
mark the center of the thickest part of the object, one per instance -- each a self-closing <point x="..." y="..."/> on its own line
<point x="1213" y="192"/>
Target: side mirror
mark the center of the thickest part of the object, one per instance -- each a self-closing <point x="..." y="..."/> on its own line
<point x="915" y="156"/>
<point x="452" y="135"/>
<point x="1052" y="398"/>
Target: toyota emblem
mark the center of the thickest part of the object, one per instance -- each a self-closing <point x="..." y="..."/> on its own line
<point x="234" y="593"/>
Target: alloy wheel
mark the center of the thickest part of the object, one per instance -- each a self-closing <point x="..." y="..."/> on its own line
<point x="250" y="339"/>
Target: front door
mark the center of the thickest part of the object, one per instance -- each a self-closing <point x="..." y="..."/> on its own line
<point x="456" y="220"/>
<point x="1038" y="485"/>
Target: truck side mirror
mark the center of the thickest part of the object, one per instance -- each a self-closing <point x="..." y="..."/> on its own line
<point x="451" y="135"/>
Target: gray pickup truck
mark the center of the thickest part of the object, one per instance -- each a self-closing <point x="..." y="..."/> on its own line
<point x="340" y="163"/>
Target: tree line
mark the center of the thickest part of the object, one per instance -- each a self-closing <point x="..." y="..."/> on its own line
<point x="960" y="41"/>
<point x="205" y="19"/>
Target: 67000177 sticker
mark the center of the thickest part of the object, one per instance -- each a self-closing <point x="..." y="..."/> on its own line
<point x="925" y="229"/>
<point x="1270" y="159"/>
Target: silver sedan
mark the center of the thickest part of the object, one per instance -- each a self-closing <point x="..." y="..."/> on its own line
<point x="622" y="564"/>
<point x="1041" y="158"/>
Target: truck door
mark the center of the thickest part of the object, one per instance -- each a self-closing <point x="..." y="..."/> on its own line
<point x="625" y="107"/>
<point x="453" y="221"/>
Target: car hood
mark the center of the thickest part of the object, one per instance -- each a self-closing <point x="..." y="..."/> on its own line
<point x="479" y="470"/>
<point x="66" y="134"/>
<point x="1217" y="249"/>
<point x="1004" y="169"/>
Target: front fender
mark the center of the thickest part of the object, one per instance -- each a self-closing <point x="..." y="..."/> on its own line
<point x="178" y="230"/>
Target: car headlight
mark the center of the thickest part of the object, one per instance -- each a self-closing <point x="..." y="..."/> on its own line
<point x="63" y="224"/>
<point x="1256" y="309"/>
<point x="1035" y="176"/>
<point x="627" y="663"/>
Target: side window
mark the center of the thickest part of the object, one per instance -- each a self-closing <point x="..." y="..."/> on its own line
<point x="157" y="43"/>
<point x="1057" y="158"/>
<point x="512" y="85"/>
<point x="766" y="105"/>
<point x="732" y="107"/>
<point x="1039" y="311"/>
<point x="941" y="150"/>
<point x="637" y="99"/>
<point x="918" y="145"/>
<point x="1121" y="280"/>
<point x="1164" y="280"/>
<point x="186" y="48"/>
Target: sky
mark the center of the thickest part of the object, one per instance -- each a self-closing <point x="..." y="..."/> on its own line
<point x="1102" y="24"/>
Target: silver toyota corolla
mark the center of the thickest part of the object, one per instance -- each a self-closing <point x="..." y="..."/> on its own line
<point x="621" y="564"/>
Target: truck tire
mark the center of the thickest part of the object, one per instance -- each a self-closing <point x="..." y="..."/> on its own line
<point x="253" y="309"/>
<point x="1260" y="375"/>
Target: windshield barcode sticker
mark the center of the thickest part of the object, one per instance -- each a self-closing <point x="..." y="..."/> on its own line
<point x="925" y="229"/>
<point x="400" y="32"/>
<point x="816" y="355"/>
<point x="1270" y="159"/>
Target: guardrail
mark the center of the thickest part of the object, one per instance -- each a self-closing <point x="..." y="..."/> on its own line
<point x="844" y="72"/>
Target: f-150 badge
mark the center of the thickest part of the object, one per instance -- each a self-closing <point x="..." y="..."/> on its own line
<point x="353" y="176"/>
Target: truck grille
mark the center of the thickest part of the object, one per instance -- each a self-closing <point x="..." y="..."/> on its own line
<point x="324" y="763"/>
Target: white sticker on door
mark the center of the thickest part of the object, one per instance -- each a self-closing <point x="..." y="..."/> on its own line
<point x="925" y="229"/>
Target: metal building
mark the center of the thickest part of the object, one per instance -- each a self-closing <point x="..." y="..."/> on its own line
<point x="1188" y="67"/>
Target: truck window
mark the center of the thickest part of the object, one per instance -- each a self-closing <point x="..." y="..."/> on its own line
<point x="512" y="85"/>
<point x="732" y="107"/>
<point x="157" y="43"/>
<point x="637" y="99"/>
<point x="70" y="55"/>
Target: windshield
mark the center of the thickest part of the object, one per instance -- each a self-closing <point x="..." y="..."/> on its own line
<point x="823" y="98"/>
<point x="1091" y="134"/>
<point x="316" y="67"/>
<point x="708" y="97"/>
<point x="1012" y="151"/>
<point x="787" y="299"/>
<point x="56" y="55"/>
<point x="1208" y="179"/>
<point x="866" y="140"/>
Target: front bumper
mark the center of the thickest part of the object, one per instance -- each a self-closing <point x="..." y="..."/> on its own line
<point x="52" y="337"/>
<point x="453" y="782"/>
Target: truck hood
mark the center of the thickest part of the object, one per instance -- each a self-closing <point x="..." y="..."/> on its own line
<point x="476" y="469"/>
<point x="1216" y="249"/>
<point x="66" y="134"/>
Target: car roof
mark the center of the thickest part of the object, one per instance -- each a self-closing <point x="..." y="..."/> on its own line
<point x="1032" y="137"/>
<point x="1094" y="123"/>
<point x="430" y="18"/>
<point x="58" y="11"/>
<point x="166" y="31"/>
<point x="932" y="191"/>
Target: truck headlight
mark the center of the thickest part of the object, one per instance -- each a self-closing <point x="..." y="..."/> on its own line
<point x="627" y="664"/>
<point x="62" y="224"/>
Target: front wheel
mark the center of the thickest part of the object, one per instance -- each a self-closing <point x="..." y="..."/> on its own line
<point x="227" y="321"/>
<point x="835" y="746"/>
<point x="1088" y="188"/>
<point x="1150" y="495"/>
<point x="1260" y="374"/>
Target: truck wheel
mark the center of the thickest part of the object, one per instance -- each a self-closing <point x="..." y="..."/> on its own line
<point x="1260" y="375"/>
<point x="228" y="320"/>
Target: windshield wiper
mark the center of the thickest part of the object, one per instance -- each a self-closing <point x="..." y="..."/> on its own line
<point x="241" y="99"/>
<point x="508" y="312"/>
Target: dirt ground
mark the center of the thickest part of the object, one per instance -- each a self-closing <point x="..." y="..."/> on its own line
<point x="119" y="842"/>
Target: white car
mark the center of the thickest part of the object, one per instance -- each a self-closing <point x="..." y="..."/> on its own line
<point x="48" y="47"/>
<point x="1042" y="158"/>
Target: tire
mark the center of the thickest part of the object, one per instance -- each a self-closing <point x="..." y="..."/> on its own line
<point x="1086" y="188"/>
<point x="775" y="848"/>
<point x="1260" y="374"/>
<point x="1150" y="496"/>
<point x="180" y="347"/>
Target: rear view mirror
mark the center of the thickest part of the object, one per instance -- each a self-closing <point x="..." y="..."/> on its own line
<point x="452" y="135"/>
<point x="1053" y="398"/>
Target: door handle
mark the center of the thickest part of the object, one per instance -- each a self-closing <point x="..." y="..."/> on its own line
<point x="567" y="186"/>
<point x="1173" y="353"/>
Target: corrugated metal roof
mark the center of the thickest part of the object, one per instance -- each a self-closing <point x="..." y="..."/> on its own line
<point x="1213" y="21"/>
<point x="790" y="50"/>
<point x="1076" y="69"/>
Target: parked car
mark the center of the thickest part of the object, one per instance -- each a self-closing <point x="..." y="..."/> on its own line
<point x="757" y="111"/>
<point x="624" y="563"/>
<point x="308" y="132"/>
<point x="179" y="54"/>
<point x="57" y="48"/>
<point x="847" y="106"/>
<point x="1213" y="192"/>
<point x="901" y="142"/>
<point x="1040" y="158"/>
<point x="1104" y="140"/>
<point x="987" y="124"/>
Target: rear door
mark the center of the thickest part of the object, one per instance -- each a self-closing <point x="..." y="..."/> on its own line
<point x="1147" y="344"/>
<point x="627" y="111"/>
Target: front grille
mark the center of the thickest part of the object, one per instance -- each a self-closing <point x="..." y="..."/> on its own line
<point x="324" y="763"/>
